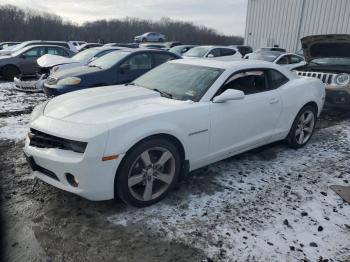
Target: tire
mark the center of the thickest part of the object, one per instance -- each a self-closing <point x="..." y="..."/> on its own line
<point x="9" y="72"/>
<point x="141" y="168"/>
<point x="303" y="127"/>
<point x="144" y="40"/>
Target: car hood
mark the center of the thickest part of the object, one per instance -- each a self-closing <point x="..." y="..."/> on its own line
<point x="104" y="105"/>
<point x="318" y="46"/>
<point x="54" y="60"/>
<point x="75" y="71"/>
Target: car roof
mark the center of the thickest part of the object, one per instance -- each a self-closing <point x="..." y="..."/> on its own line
<point x="32" y="46"/>
<point x="223" y="64"/>
<point x="216" y="46"/>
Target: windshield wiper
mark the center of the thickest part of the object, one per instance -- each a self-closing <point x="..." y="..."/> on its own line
<point x="165" y="94"/>
<point x="130" y="84"/>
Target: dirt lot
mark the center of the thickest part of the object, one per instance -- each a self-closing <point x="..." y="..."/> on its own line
<point x="270" y="204"/>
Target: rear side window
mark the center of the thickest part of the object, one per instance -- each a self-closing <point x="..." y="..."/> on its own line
<point x="227" y="52"/>
<point x="57" y="51"/>
<point x="277" y="79"/>
<point x="161" y="58"/>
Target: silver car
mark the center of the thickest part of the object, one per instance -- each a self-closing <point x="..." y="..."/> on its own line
<point x="23" y="62"/>
<point x="150" y="37"/>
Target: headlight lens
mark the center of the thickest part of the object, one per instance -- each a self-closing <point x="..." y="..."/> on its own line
<point x="342" y="79"/>
<point x="77" y="146"/>
<point x="70" y="81"/>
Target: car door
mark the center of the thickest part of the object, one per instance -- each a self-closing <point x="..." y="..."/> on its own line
<point x="241" y="124"/>
<point x="27" y="60"/>
<point x="133" y="67"/>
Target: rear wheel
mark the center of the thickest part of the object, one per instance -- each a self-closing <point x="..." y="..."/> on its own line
<point x="148" y="172"/>
<point x="303" y="127"/>
<point x="9" y="72"/>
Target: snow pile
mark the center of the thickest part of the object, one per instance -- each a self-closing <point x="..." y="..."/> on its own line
<point x="271" y="205"/>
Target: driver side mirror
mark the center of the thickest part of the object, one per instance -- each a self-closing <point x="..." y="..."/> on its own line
<point x="124" y="68"/>
<point x="210" y="56"/>
<point x="228" y="95"/>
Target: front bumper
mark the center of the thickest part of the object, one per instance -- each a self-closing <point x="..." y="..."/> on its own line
<point x="34" y="86"/>
<point x="339" y="98"/>
<point x="96" y="177"/>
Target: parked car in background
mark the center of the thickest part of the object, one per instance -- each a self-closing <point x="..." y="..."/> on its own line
<point x="181" y="49"/>
<point x="117" y="67"/>
<point x="137" y="141"/>
<point x="287" y="60"/>
<point x="265" y="49"/>
<point x="243" y="49"/>
<point x="172" y="44"/>
<point x="153" y="46"/>
<point x="4" y="45"/>
<point x="211" y="52"/>
<point x="24" y="61"/>
<point x="150" y="37"/>
<point x="128" y="45"/>
<point x="328" y="58"/>
<point x="38" y="42"/>
<point x="88" y="45"/>
<point x="52" y="63"/>
<point x="300" y="52"/>
<point x="77" y="44"/>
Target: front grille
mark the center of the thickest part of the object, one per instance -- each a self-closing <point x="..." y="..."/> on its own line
<point x="43" y="140"/>
<point x="47" y="172"/>
<point x="324" y="77"/>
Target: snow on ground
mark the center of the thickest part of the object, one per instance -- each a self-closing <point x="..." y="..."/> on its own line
<point x="265" y="207"/>
<point x="14" y="127"/>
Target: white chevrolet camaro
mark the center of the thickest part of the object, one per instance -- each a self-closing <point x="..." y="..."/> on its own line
<point x="136" y="141"/>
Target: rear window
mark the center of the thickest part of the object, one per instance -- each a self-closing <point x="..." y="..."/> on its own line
<point x="277" y="79"/>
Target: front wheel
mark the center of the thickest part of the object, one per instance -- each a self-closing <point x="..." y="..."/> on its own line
<point x="303" y="127"/>
<point x="148" y="172"/>
<point x="9" y="72"/>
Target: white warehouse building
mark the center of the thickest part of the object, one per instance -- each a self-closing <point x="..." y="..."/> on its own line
<point x="285" y="22"/>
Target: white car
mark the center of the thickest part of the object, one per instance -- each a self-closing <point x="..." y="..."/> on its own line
<point x="213" y="52"/>
<point x="137" y="140"/>
<point x="150" y="37"/>
<point x="287" y="60"/>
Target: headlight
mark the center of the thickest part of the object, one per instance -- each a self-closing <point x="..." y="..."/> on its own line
<point x="70" y="81"/>
<point x="342" y="79"/>
<point x="77" y="146"/>
<point x="37" y="111"/>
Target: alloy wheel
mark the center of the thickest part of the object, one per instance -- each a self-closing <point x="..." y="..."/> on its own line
<point x="151" y="174"/>
<point x="305" y="127"/>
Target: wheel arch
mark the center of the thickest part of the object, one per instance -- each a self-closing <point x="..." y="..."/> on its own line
<point x="173" y="139"/>
<point x="11" y="65"/>
<point x="313" y="104"/>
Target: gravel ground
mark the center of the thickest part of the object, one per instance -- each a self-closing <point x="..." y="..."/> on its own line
<point x="270" y="204"/>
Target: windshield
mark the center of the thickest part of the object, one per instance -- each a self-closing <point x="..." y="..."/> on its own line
<point x="109" y="60"/>
<point x="342" y="61"/>
<point x="197" y="51"/>
<point x="180" y="81"/>
<point x="270" y="57"/>
<point x="20" y="46"/>
<point x="85" y="55"/>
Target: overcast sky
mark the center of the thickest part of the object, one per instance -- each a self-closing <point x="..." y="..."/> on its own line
<point x="226" y="16"/>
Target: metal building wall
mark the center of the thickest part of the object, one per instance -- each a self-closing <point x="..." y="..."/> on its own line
<point x="284" y="22"/>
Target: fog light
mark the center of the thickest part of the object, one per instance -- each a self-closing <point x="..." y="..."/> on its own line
<point x="72" y="180"/>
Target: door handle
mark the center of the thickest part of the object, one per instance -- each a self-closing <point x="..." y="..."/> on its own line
<point x="273" y="101"/>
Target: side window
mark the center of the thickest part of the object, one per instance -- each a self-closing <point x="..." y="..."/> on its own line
<point x="250" y="82"/>
<point x="277" y="79"/>
<point x="35" y="52"/>
<point x="214" y="53"/>
<point x="295" y="59"/>
<point x="283" y="60"/>
<point x="138" y="62"/>
<point x="56" y="51"/>
<point x="161" y="58"/>
<point x="227" y="52"/>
